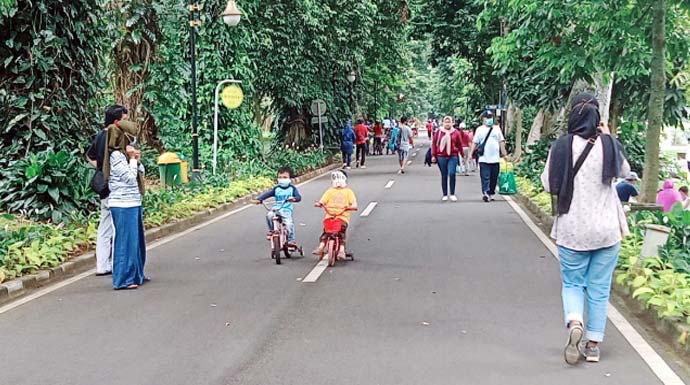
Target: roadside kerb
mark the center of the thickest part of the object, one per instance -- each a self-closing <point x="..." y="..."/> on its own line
<point x="672" y="331"/>
<point x="21" y="286"/>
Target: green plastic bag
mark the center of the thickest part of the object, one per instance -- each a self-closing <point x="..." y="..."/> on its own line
<point x="506" y="180"/>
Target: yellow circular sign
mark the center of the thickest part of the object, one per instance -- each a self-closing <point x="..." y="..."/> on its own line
<point x="232" y="96"/>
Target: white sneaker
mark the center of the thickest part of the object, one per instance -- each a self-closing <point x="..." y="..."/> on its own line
<point x="363" y="167"/>
<point x="445" y="198"/>
<point x="453" y="198"/>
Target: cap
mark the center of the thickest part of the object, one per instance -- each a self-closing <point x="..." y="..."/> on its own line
<point x="487" y="114"/>
<point x="632" y="176"/>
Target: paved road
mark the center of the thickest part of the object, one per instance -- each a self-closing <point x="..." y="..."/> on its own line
<point x="440" y="293"/>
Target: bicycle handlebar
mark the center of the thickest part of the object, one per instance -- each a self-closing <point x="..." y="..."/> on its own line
<point x="273" y="208"/>
<point x="338" y="214"/>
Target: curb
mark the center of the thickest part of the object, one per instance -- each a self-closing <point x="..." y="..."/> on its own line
<point x="16" y="288"/>
<point x="672" y="331"/>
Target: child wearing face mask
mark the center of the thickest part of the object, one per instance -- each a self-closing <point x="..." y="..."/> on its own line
<point x="338" y="200"/>
<point x="283" y="192"/>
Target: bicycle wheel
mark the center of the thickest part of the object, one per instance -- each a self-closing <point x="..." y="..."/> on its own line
<point x="276" y="249"/>
<point x="332" y="252"/>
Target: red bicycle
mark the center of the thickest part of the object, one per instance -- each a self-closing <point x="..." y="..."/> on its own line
<point x="332" y="226"/>
<point x="279" y="235"/>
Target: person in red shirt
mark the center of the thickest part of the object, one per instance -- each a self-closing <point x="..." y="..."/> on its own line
<point x="429" y="128"/>
<point x="378" y="138"/>
<point x="362" y="135"/>
<point x="445" y="148"/>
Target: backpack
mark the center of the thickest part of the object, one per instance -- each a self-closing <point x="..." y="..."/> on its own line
<point x="398" y="139"/>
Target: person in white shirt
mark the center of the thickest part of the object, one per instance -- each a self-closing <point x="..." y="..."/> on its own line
<point x="489" y="146"/>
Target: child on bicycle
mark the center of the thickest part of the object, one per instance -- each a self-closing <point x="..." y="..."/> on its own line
<point x="285" y="194"/>
<point x="338" y="200"/>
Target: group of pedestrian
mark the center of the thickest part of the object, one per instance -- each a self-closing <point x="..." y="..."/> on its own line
<point x="453" y="149"/>
<point x="666" y="197"/>
<point x="119" y="181"/>
<point x="400" y="141"/>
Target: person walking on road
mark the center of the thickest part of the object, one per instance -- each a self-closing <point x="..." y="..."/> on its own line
<point x="404" y="143"/>
<point x="95" y="154"/>
<point x="489" y="146"/>
<point x="362" y="134"/>
<point x="347" y="144"/>
<point x="589" y="224"/>
<point x="125" y="173"/>
<point x="446" y="146"/>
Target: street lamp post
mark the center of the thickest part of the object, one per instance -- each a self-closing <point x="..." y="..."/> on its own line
<point x="351" y="78"/>
<point x="231" y="16"/>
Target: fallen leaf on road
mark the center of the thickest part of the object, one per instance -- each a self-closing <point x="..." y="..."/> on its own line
<point x="425" y="323"/>
<point x="221" y="250"/>
<point x="463" y="331"/>
<point x="197" y="258"/>
<point x="213" y="305"/>
<point x="433" y="292"/>
<point x="396" y="278"/>
<point x="227" y="324"/>
<point x="608" y="374"/>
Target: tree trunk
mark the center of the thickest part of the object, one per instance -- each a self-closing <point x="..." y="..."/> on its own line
<point x="616" y="112"/>
<point x="535" y="131"/>
<point x="510" y="118"/>
<point x="603" y="90"/>
<point x="655" y="111"/>
<point x="132" y="59"/>
<point x="518" y="134"/>
<point x="297" y="129"/>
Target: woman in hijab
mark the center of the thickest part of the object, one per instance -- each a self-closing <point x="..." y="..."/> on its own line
<point x="125" y="174"/>
<point x="668" y="196"/>
<point x="445" y="147"/>
<point x="589" y="223"/>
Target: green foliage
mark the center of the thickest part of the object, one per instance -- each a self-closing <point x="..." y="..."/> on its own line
<point x="663" y="282"/>
<point x="51" y="53"/>
<point x="533" y="161"/>
<point x="26" y="247"/>
<point x="632" y="136"/>
<point x="48" y="186"/>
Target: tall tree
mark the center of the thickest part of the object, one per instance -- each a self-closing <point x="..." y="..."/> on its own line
<point x="655" y="111"/>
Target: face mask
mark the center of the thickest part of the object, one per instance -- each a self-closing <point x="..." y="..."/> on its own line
<point x="489" y="122"/>
<point x="284" y="182"/>
<point x="338" y="180"/>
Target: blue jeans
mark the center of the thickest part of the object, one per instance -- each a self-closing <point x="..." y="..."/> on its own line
<point x="347" y="158"/>
<point x="586" y="278"/>
<point x="447" y="165"/>
<point x="287" y="220"/>
<point x="488" y="172"/>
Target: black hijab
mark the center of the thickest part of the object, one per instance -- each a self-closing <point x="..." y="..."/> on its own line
<point x="584" y="122"/>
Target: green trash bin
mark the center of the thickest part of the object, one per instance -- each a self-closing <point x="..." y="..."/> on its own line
<point x="169" y="169"/>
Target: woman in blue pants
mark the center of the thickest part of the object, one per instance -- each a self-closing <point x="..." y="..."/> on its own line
<point x="589" y="225"/>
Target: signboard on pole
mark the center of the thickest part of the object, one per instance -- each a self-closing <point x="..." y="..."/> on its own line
<point x="232" y="96"/>
<point x="318" y="107"/>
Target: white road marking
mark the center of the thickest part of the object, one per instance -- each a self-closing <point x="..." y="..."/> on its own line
<point x="390" y="183"/>
<point x="59" y="285"/>
<point x="316" y="272"/>
<point x="369" y="209"/>
<point x="642" y="347"/>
